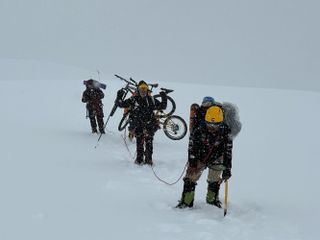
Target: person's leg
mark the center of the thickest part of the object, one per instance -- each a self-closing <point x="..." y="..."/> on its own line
<point x="140" y="148"/>
<point x="100" y="123"/>
<point x="93" y="122"/>
<point x="190" y="181"/>
<point x="149" y="149"/>
<point x="214" y="181"/>
<point x="187" y="197"/>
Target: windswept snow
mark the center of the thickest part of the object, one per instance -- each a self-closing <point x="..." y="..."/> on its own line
<point x="56" y="185"/>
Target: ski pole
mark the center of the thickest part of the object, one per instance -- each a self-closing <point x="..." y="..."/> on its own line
<point x="225" y="205"/>
<point x="104" y="126"/>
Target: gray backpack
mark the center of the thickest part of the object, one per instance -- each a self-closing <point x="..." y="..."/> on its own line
<point x="231" y="118"/>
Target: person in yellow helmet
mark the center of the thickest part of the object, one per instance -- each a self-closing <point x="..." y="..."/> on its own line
<point x="142" y="119"/>
<point x="210" y="146"/>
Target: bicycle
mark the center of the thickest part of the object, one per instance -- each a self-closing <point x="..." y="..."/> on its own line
<point x="173" y="126"/>
<point x="131" y="87"/>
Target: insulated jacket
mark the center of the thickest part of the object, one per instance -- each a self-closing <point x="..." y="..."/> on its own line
<point x="142" y="110"/>
<point x="211" y="148"/>
<point x="92" y="97"/>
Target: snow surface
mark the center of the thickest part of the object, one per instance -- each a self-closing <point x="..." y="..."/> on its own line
<point x="56" y="185"/>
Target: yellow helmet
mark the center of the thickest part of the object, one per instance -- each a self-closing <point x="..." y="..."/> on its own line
<point x="143" y="87"/>
<point x="214" y="114"/>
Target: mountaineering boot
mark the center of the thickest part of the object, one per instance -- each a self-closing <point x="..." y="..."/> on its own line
<point x="148" y="161"/>
<point x="213" y="194"/>
<point x="187" y="197"/>
<point x="139" y="159"/>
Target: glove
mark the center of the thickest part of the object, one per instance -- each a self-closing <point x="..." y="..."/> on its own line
<point x="192" y="161"/>
<point x="226" y="174"/>
<point x="120" y="93"/>
<point x="163" y="94"/>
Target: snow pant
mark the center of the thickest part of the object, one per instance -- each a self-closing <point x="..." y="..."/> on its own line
<point x="96" y="116"/>
<point x="193" y="174"/>
<point x="144" y="148"/>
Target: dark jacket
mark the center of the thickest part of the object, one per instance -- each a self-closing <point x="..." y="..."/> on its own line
<point x="92" y="97"/>
<point x="211" y="148"/>
<point x="142" y="110"/>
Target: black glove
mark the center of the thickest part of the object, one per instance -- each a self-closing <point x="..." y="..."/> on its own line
<point x="120" y="93"/>
<point x="226" y="174"/>
<point x="163" y="94"/>
<point x="192" y="161"/>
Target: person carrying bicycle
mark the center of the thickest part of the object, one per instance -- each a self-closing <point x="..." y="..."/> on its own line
<point x="143" y="121"/>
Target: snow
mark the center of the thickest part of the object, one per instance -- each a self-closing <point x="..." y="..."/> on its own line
<point x="56" y="185"/>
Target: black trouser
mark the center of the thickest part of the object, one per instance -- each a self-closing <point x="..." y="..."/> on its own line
<point x="144" y="146"/>
<point x="96" y="117"/>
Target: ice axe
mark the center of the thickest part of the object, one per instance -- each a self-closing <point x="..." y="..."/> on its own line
<point x="225" y="205"/>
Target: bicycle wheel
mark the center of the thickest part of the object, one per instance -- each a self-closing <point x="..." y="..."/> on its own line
<point x="175" y="127"/>
<point x="124" y="121"/>
<point x="171" y="106"/>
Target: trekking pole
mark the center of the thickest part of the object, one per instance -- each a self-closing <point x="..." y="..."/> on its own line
<point x="104" y="126"/>
<point x="98" y="74"/>
<point x="225" y="205"/>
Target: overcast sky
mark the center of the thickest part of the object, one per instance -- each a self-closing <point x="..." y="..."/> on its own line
<point x="263" y="43"/>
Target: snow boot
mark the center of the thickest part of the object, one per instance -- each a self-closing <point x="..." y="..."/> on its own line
<point x="187" y="197"/>
<point x="139" y="158"/>
<point x="94" y="130"/>
<point x="213" y="194"/>
<point x="148" y="161"/>
<point x="148" y="155"/>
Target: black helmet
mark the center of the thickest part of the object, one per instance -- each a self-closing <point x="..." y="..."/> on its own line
<point x="142" y="82"/>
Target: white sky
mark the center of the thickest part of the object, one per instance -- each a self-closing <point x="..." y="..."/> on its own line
<point x="264" y="43"/>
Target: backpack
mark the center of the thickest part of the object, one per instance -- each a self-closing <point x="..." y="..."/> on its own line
<point x="231" y="118"/>
<point x="230" y="112"/>
<point x="94" y="83"/>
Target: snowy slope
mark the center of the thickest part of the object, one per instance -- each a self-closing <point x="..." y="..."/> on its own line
<point x="56" y="185"/>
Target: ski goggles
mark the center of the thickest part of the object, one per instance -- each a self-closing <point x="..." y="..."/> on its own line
<point x="213" y="125"/>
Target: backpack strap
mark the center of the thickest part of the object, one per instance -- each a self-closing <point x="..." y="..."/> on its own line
<point x="194" y="110"/>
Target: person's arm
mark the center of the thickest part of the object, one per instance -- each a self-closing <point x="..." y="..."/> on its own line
<point x="85" y="97"/>
<point x="124" y="103"/>
<point x="163" y="104"/>
<point x="227" y="158"/>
